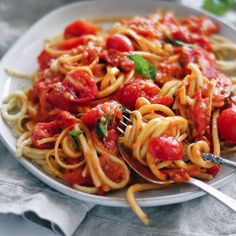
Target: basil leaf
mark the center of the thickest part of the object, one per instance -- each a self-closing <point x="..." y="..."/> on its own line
<point x="152" y="72"/>
<point x="101" y="127"/>
<point x="141" y="64"/>
<point x="74" y="135"/>
<point x="218" y="7"/>
<point x="143" y="67"/>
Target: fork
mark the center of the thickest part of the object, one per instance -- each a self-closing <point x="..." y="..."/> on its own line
<point x="146" y="174"/>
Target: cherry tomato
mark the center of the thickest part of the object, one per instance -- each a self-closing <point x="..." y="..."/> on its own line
<point x="110" y="141"/>
<point x="227" y="125"/>
<point x="165" y="148"/>
<point x="57" y="97"/>
<point x="201" y="115"/>
<point x="201" y="25"/>
<point x="75" y="177"/>
<point x="135" y="89"/>
<point x="166" y="101"/>
<point x="70" y="43"/>
<point x="44" y="130"/>
<point x="119" y="42"/>
<point x="188" y="37"/>
<point x="118" y="59"/>
<point x="113" y="170"/>
<point x="79" y="28"/>
<point x="214" y="170"/>
<point x="80" y="87"/>
<point x="65" y="119"/>
<point x="107" y="108"/>
<point x="89" y="55"/>
<point x="44" y="60"/>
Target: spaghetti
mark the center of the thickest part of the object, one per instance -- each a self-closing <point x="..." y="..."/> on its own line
<point x="168" y="71"/>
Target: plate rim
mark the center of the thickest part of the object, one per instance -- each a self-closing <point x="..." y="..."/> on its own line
<point x="105" y="200"/>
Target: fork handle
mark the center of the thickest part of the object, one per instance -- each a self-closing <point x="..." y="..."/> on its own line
<point x="228" y="201"/>
<point x="218" y="160"/>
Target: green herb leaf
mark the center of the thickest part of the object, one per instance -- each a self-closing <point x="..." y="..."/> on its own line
<point x="152" y="72"/>
<point x="143" y="67"/>
<point x="74" y="135"/>
<point x="218" y="7"/>
<point x="101" y="128"/>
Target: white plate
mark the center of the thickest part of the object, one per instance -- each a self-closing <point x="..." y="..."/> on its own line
<point x="22" y="57"/>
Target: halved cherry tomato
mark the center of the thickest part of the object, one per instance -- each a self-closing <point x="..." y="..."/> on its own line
<point x="80" y="87"/>
<point x="118" y="59"/>
<point x="135" y="89"/>
<point x="113" y="170"/>
<point x="166" y="101"/>
<point x="75" y="177"/>
<point x="107" y="108"/>
<point x="165" y="148"/>
<point x="79" y="28"/>
<point x="119" y="42"/>
<point x="201" y="116"/>
<point x="227" y="125"/>
<point x="44" y="60"/>
<point x="57" y="97"/>
<point x="44" y="130"/>
<point x="70" y="43"/>
<point x="65" y="119"/>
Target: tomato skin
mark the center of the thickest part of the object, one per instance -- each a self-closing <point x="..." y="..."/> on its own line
<point x="44" y="59"/>
<point x="57" y="97"/>
<point x="118" y="59"/>
<point x="188" y="37"/>
<point x="75" y="177"/>
<point x="107" y="108"/>
<point x="214" y="170"/>
<point x="135" y="89"/>
<point x="68" y="44"/>
<point x="110" y="141"/>
<point x="165" y="148"/>
<point x="113" y="170"/>
<point x="44" y="130"/>
<point x="227" y="125"/>
<point x="65" y="119"/>
<point x="80" y="87"/>
<point x="79" y="28"/>
<point x="119" y="42"/>
<point x="166" y="101"/>
<point x="201" y="115"/>
<point x="202" y="25"/>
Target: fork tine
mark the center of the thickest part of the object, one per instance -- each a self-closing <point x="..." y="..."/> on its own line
<point x="126" y="118"/>
<point x="123" y="123"/>
<point x="128" y="111"/>
<point x="121" y="130"/>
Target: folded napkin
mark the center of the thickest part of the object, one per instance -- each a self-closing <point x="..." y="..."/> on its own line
<point x="22" y="194"/>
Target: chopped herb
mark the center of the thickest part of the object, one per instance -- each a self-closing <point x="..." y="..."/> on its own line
<point x="152" y="71"/>
<point x="143" y="67"/>
<point x="74" y="135"/>
<point x="101" y="128"/>
<point x="218" y="7"/>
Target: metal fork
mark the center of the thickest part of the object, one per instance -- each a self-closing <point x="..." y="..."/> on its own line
<point x="145" y="173"/>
